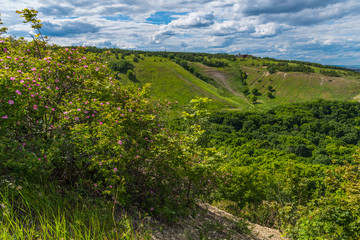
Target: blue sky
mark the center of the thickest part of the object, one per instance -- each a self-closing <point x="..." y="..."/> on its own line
<point x="324" y="31"/>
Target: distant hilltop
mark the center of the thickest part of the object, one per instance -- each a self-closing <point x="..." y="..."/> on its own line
<point x="352" y="67"/>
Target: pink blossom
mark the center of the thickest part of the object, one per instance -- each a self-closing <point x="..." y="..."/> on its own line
<point x="11" y="102"/>
<point x="4" y="117"/>
<point x="12" y="78"/>
<point x="115" y="169"/>
<point x="151" y="209"/>
<point x="35" y="107"/>
<point x="18" y="92"/>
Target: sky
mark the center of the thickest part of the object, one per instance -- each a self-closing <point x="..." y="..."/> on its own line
<point x="322" y="31"/>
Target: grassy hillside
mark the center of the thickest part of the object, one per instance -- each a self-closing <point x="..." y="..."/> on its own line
<point x="297" y="86"/>
<point x="184" y="77"/>
<point x="174" y="83"/>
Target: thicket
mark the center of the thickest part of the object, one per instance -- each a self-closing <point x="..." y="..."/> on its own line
<point x="209" y="58"/>
<point x="121" y="66"/>
<point x="285" y="67"/>
<point x="66" y="119"/>
<point x="330" y="73"/>
<point x="293" y="167"/>
<point x="309" y="64"/>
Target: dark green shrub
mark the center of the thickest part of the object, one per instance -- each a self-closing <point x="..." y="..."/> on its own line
<point x="120" y="66"/>
<point x="65" y="118"/>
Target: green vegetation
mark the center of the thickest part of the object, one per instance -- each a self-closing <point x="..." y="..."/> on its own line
<point x="67" y="119"/>
<point x="37" y="211"/>
<point x="103" y="127"/>
<point x="229" y="81"/>
<point x="285" y="67"/>
<point x="292" y="167"/>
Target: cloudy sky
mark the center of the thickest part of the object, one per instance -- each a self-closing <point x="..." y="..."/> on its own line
<point x="324" y="31"/>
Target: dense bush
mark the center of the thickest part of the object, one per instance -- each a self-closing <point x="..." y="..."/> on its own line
<point x="278" y="160"/>
<point x="65" y="118"/>
<point x="336" y="215"/>
<point x="330" y="73"/>
<point x="285" y="67"/>
<point x="120" y="66"/>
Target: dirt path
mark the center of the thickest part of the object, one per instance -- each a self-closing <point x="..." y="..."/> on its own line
<point x="212" y="223"/>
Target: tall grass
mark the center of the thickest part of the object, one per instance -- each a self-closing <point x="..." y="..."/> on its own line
<point x="48" y="212"/>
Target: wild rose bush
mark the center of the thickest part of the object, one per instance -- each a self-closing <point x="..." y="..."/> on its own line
<point x="64" y="116"/>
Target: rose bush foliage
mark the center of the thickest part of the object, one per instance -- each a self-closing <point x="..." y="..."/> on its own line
<point x="65" y="117"/>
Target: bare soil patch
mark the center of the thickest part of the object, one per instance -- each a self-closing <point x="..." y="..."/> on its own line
<point x="211" y="223"/>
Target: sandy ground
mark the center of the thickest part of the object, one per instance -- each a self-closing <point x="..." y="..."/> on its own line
<point x="212" y="223"/>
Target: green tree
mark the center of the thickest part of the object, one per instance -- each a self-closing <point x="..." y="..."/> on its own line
<point x="270" y="95"/>
<point x="253" y="98"/>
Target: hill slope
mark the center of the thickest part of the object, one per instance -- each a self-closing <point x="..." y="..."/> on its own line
<point x="232" y="82"/>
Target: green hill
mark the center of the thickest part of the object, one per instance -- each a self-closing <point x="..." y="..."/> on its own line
<point x="231" y="82"/>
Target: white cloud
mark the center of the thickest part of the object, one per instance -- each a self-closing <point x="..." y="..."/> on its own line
<point x="227" y="28"/>
<point x="161" y="35"/>
<point x="274" y="28"/>
<point x="183" y="25"/>
<point x="269" y="29"/>
<point x="193" y="20"/>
